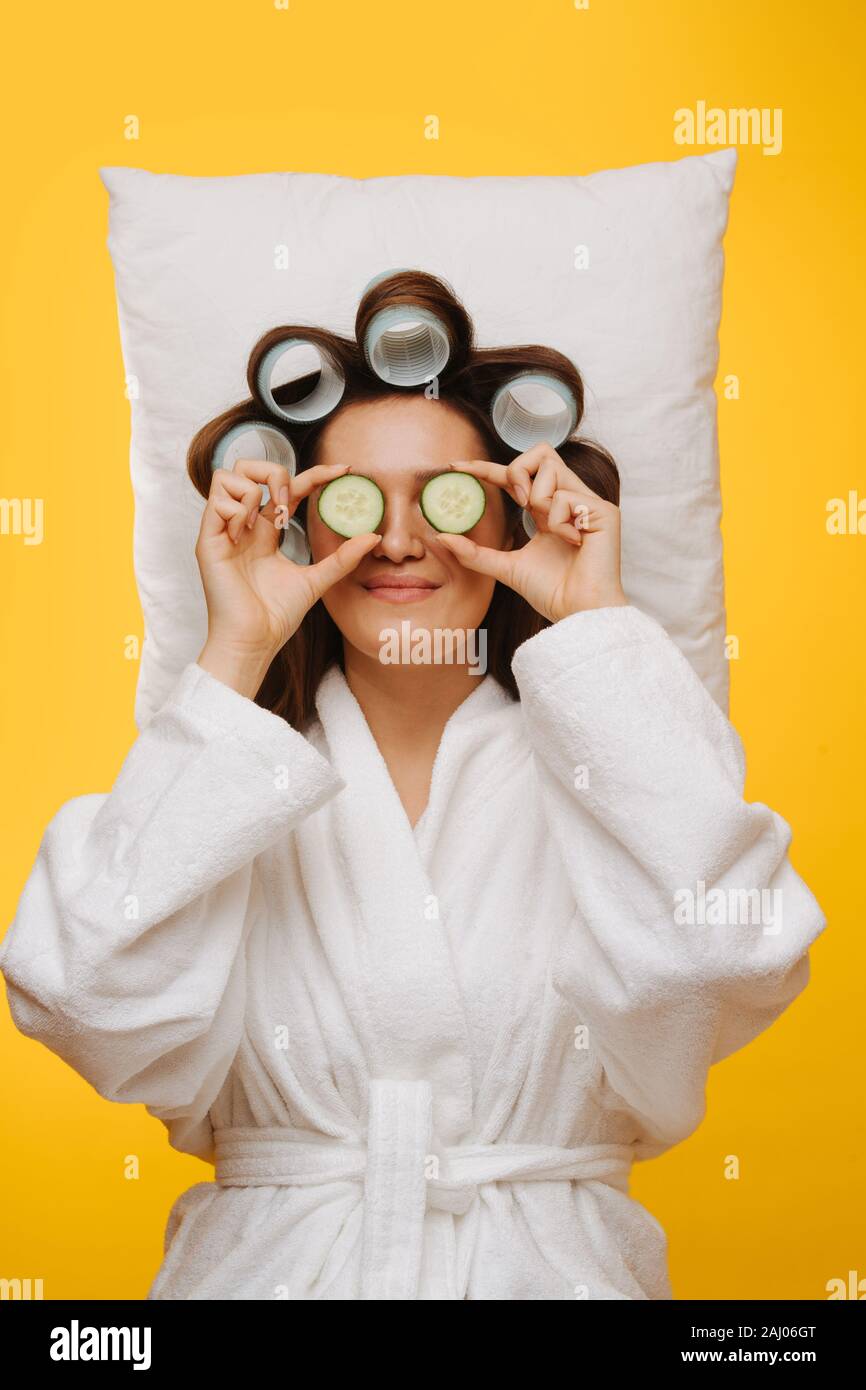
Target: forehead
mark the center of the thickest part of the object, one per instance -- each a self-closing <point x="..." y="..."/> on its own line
<point x="400" y="434"/>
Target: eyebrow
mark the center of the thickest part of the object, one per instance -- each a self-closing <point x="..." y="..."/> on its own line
<point x="425" y="474"/>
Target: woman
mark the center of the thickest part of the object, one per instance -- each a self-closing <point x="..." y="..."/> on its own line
<point x="423" y="959"/>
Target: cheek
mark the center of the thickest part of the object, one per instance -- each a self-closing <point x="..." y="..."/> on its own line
<point x="475" y="598"/>
<point x="323" y="541"/>
<point x="352" y="613"/>
<point x="342" y="600"/>
<point x="495" y="528"/>
<point x="466" y="599"/>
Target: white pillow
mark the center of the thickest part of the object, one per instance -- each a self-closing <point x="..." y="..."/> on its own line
<point x="196" y="265"/>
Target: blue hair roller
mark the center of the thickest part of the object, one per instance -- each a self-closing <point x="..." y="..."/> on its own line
<point x="523" y="423"/>
<point x="405" y="344"/>
<point x="325" y="395"/>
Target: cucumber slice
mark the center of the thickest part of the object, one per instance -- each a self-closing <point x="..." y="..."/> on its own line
<point x="351" y="505"/>
<point x="453" y="502"/>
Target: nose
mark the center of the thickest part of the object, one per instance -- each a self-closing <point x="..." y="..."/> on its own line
<point x="403" y="529"/>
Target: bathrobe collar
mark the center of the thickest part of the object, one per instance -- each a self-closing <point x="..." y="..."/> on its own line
<point x="417" y="1026"/>
<point x="347" y="730"/>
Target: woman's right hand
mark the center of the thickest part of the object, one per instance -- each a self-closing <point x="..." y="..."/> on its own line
<point x="256" y="597"/>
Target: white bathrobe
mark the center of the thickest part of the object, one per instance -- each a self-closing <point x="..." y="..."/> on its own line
<point x="422" y="1061"/>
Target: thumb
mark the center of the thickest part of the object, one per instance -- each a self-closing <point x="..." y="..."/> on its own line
<point x="341" y="562"/>
<point x="480" y="558"/>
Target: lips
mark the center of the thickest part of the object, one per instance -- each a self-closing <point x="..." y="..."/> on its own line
<point x="400" y="588"/>
<point x="400" y="581"/>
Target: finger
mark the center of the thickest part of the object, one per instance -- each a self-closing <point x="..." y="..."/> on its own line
<point x="552" y="475"/>
<point x="488" y="472"/>
<point x="587" y="516"/>
<point x="241" y="488"/>
<point x="480" y="558"/>
<point x="340" y="562"/>
<point x="565" y="516"/>
<point x="221" y="514"/>
<point x="233" y="484"/>
<point x="290" y="495"/>
<point x="544" y="485"/>
<point x="515" y="478"/>
<point x="576" y="483"/>
<point x="528" y="465"/>
<point x="273" y="475"/>
<point x="237" y="522"/>
<point x="524" y="469"/>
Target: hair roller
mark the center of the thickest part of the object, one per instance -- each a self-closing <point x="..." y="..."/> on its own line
<point x="411" y="327"/>
<point x="297" y="375"/>
<point x="534" y="408"/>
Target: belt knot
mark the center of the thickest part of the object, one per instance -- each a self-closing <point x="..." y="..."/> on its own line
<point x="404" y="1174"/>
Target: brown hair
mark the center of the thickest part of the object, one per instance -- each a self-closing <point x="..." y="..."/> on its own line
<point x="467" y="382"/>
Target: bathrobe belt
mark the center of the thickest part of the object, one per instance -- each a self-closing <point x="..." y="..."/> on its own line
<point x="404" y="1174"/>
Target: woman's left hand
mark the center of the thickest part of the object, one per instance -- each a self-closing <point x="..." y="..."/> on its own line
<point x="573" y="561"/>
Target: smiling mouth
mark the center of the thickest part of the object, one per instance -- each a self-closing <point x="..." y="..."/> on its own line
<point x="391" y="595"/>
<point x="400" y="588"/>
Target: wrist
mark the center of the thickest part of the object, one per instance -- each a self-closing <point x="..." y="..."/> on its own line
<point x="242" y="669"/>
<point x="614" y="598"/>
<point x="618" y="600"/>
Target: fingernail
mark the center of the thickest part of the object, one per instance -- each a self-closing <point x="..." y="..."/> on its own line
<point x="521" y="496"/>
<point x="284" y="496"/>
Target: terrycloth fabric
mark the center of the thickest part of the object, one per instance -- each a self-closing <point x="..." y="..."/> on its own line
<point x="423" y="1061"/>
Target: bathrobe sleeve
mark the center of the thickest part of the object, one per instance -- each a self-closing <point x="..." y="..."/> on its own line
<point x="641" y="778"/>
<point x="126" y="956"/>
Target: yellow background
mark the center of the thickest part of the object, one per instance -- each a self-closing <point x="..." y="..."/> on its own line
<point x="531" y="88"/>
